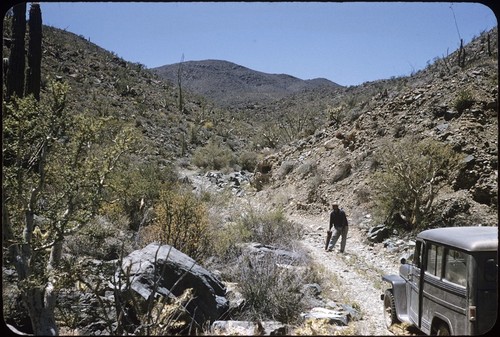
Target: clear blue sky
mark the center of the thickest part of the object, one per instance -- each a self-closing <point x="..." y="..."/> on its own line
<point x="348" y="43"/>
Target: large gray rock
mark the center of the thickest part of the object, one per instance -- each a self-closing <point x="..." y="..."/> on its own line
<point x="378" y="233"/>
<point x="165" y="271"/>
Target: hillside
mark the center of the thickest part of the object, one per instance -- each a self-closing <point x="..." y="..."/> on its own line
<point x="103" y="83"/>
<point x="329" y="165"/>
<point x="233" y="85"/>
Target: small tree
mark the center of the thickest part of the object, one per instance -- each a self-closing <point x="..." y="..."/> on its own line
<point x="55" y="174"/>
<point x="411" y="174"/>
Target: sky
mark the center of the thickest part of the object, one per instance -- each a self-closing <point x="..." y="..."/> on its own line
<point x="348" y="43"/>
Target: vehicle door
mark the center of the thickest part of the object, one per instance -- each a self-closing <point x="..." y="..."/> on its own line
<point x="414" y="284"/>
<point x="485" y="289"/>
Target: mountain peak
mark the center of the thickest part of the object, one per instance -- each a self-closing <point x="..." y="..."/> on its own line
<point x="230" y="84"/>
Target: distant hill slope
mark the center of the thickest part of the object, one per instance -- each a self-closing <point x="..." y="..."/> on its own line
<point x="230" y="84"/>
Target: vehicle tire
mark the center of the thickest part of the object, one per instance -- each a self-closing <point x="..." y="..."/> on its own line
<point x="443" y="330"/>
<point x="390" y="316"/>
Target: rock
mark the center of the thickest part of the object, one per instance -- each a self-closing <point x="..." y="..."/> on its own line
<point x="313" y="289"/>
<point x="234" y="328"/>
<point x="341" y="172"/>
<point x="234" y="296"/>
<point x="354" y="314"/>
<point x="331" y="144"/>
<point x="246" y="328"/>
<point x="331" y="316"/>
<point x="378" y="233"/>
<point x="165" y="271"/>
<point x="442" y="127"/>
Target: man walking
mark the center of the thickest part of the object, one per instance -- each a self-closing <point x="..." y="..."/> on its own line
<point x="338" y="221"/>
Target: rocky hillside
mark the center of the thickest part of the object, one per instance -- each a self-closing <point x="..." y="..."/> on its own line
<point x="232" y="85"/>
<point x="336" y="162"/>
<point x="324" y="165"/>
<point x="103" y="83"/>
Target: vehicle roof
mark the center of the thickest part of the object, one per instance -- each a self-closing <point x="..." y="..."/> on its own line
<point x="473" y="238"/>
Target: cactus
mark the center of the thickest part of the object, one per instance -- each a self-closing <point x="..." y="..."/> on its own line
<point x="33" y="75"/>
<point x="15" y="72"/>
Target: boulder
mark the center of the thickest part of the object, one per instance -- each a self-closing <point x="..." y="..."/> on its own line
<point x="161" y="270"/>
<point x="378" y="233"/>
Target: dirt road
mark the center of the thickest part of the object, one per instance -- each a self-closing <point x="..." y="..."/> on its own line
<point x="356" y="273"/>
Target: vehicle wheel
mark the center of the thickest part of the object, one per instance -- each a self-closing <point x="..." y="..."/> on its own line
<point x="390" y="309"/>
<point x="443" y="330"/>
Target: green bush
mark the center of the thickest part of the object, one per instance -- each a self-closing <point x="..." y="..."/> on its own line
<point x="136" y="188"/>
<point x="410" y="174"/>
<point x="248" y="160"/>
<point x="463" y="101"/>
<point x="213" y="156"/>
<point x="227" y="239"/>
<point x="181" y="221"/>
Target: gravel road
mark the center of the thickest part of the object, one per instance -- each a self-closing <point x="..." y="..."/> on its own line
<point x="357" y="271"/>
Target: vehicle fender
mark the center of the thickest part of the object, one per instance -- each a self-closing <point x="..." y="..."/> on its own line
<point x="399" y="291"/>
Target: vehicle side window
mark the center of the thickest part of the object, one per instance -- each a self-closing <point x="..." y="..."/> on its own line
<point x="455" y="269"/>
<point x="434" y="259"/>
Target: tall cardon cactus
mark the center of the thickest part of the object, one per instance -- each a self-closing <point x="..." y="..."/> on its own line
<point x="33" y="75"/>
<point x="17" y="63"/>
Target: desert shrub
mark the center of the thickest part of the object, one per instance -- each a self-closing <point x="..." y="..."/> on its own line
<point x="100" y="239"/>
<point x="363" y="194"/>
<point x="136" y="189"/>
<point x="248" y="160"/>
<point x="167" y="317"/>
<point x="267" y="136"/>
<point x="312" y="187"/>
<point x="286" y="167"/>
<point x="181" y="221"/>
<point x="272" y="291"/>
<point x="336" y="114"/>
<point x="226" y="241"/>
<point x="463" y="101"/>
<point x="259" y="180"/>
<point x="307" y="167"/>
<point x="213" y="156"/>
<point x="270" y="227"/>
<point x="410" y="175"/>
